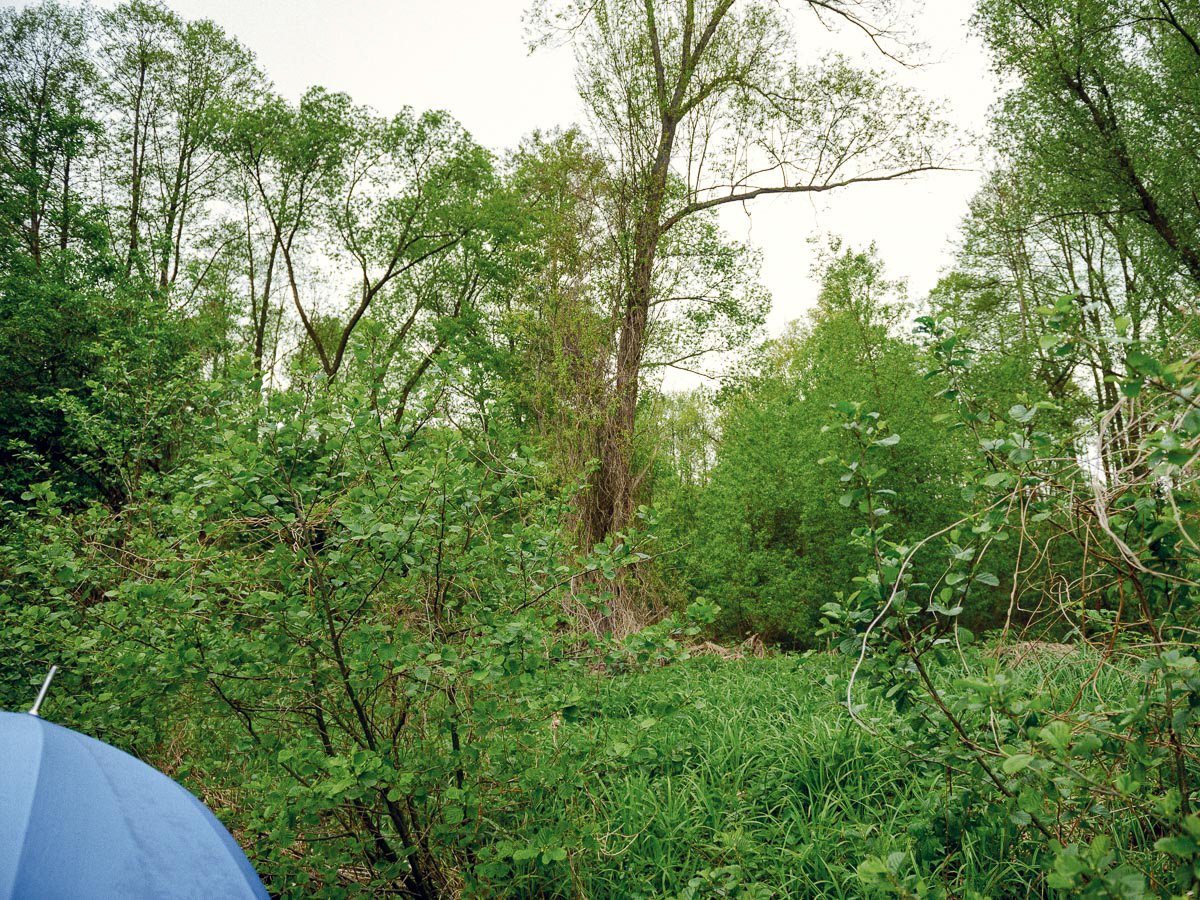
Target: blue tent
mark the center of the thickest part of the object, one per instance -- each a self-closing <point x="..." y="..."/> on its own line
<point x="80" y="820"/>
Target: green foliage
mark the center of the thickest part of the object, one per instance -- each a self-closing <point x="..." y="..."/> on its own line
<point x="1099" y="119"/>
<point x="306" y="409"/>
<point x="341" y="630"/>
<point x="99" y="375"/>
<point x="1103" y="781"/>
<point x="766" y="542"/>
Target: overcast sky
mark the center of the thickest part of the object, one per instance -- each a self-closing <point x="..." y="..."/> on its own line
<point x="469" y="57"/>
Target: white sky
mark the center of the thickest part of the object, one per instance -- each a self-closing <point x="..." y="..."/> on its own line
<point x="469" y="57"/>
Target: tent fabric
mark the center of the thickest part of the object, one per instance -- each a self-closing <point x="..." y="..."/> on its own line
<point x="81" y="819"/>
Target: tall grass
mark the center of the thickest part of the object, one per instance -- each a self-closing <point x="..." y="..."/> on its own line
<point x="748" y="779"/>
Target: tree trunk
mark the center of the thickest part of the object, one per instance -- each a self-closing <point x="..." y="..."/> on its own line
<point x="261" y="309"/>
<point x="64" y="233"/>
<point x="613" y="484"/>
<point x="135" y="171"/>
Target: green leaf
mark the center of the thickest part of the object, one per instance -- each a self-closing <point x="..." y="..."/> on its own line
<point x="1177" y="845"/>
<point x="1017" y="763"/>
<point x="1143" y="363"/>
<point x="1057" y="735"/>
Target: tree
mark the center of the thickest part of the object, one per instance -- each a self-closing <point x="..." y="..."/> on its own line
<point x="561" y="306"/>
<point x="769" y="542"/>
<point x="92" y="345"/>
<point x="1089" y="219"/>
<point x="1018" y="258"/>
<point x="569" y="306"/>
<point x="354" y="201"/>
<point x="46" y="82"/>
<point x="135" y="58"/>
<point x="1103" y="115"/>
<point x="700" y="104"/>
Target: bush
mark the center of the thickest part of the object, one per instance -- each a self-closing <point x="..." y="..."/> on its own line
<point x="1097" y="769"/>
<point x="769" y="540"/>
<point x="340" y="641"/>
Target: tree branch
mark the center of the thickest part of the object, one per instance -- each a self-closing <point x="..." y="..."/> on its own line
<point x="743" y="196"/>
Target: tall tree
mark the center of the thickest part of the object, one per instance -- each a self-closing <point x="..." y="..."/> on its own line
<point x="562" y="308"/>
<point x="1091" y="212"/>
<point x="165" y="82"/>
<point x="134" y="58"/>
<point x="570" y="305"/>
<point x="46" y="123"/>
<point x="353" y="202"/>
<point x="1105" y="107"/>
<point x="701" y="104"/>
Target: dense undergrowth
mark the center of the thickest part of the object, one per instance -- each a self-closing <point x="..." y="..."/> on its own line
<point x="338" y="474"/>
<point x="713" y="778"/>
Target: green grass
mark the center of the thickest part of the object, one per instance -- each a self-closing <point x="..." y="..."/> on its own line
<point x="750" y="772"/>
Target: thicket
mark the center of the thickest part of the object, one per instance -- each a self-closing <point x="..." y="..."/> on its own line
<point x="767" y="536"/>
<point x="338" y="474"/>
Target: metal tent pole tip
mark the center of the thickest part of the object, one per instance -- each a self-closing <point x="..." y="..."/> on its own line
<point x="37" y="704"/>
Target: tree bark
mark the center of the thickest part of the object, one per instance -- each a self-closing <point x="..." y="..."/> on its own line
<point x="613" y="483"/>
